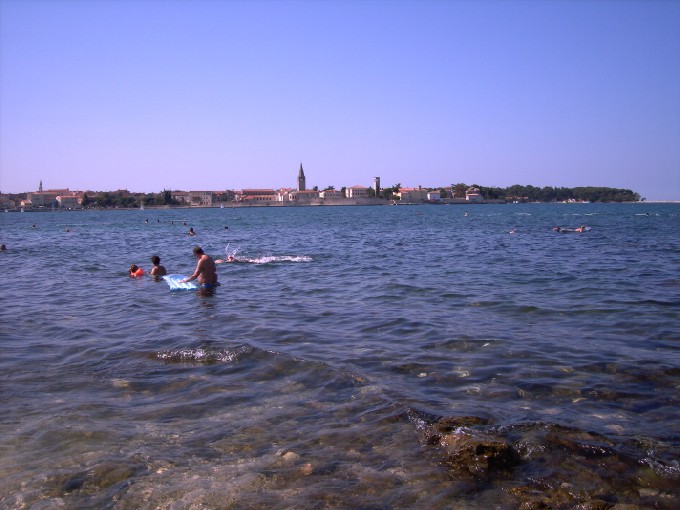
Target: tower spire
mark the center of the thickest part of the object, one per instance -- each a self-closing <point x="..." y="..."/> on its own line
<point x="301" y="179"/>
<point x="40" y="187"/>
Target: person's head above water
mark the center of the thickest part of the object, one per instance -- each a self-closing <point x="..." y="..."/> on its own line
<point x="198" y="250"/>
<point x="155" y="260"/>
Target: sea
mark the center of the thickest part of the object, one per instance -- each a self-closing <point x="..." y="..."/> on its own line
<point x="376" y="357"/>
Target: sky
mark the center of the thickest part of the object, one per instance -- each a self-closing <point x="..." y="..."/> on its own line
<point x="150" y="95"/>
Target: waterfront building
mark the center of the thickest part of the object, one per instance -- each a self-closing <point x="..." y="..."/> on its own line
<point x="71" y="201"/>
<point x="434" y="196"/>
<point x="257" y="195"/>
<point x="307" y="196"/>
<point x="201" y="198"/>
<point x="409" y="195"/>
<point x="42" y="199"/>
<point x="331" y="193"/>
<point x="357" y="192"/>
<point x="180" y="196"/>
<point x="473" y="195"/>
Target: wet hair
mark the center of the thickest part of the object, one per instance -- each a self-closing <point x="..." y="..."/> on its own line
<point x="155" y="260"/>
<point x="133" y="268"/>
<point x="3" y="247"/>
<point x="198" y="250"/>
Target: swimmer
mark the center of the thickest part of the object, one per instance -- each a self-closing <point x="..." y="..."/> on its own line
<point x="582" y="228"/>
<point x="135" y="271"/>
<point x="3" y="247"/>
<point x="230" y="258"/>
<point x="191" y="231"/>
<point x="205" y="271"/>
<point x="157" y="270"/>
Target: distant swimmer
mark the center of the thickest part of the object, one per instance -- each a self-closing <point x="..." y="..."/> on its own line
<point x="230" y="258"/>
<point x="191" y="231"/>
<point x="205" y="271"/>
<point x="582" y="228"/>
<point x="3" y="247"/>
<point x="135" y="271"/>
<point x="34" y="226"/>
<point x="513" y="231"/>
<point x="157" y="269"/>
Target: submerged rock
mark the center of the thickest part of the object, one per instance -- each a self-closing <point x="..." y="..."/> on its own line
<point x="468" y="451"/>
<point x="478" y="453"/>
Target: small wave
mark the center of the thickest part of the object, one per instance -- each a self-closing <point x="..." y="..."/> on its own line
<point x="201" y="355"/>
<point x="275" y="258"/>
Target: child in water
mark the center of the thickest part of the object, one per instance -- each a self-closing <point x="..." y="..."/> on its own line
<point x="135" y="271"/>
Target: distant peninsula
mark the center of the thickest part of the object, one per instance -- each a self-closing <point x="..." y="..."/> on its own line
<point x="460" y="193"/>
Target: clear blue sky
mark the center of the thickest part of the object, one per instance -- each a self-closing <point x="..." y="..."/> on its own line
<point x="194" y="95"/>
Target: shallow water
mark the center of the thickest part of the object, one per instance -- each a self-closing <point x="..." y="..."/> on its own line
<point x="320" y="373"/>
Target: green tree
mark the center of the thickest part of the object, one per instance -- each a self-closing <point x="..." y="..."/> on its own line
<point x="459" y="190"/>
<point x="105" y="200"/>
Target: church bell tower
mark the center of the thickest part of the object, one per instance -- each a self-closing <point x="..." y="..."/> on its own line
<point x="301" y="179"/>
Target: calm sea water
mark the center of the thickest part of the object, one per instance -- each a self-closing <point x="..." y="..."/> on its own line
<point x="342" y="364"/>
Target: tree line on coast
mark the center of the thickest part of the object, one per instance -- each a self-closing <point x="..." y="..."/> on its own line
<point x="118" y="199"/>
<point x="530" y="193"/>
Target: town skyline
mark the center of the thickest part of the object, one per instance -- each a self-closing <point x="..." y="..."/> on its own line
<point x="65" y="198"/>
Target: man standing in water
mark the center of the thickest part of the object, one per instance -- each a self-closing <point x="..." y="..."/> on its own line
<point x="206" y="272"/>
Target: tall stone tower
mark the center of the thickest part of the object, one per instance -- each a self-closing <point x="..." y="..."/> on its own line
<point x="301" y="179"/>
<point x="40" y="188"/>
<point x="376" y="186"/>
